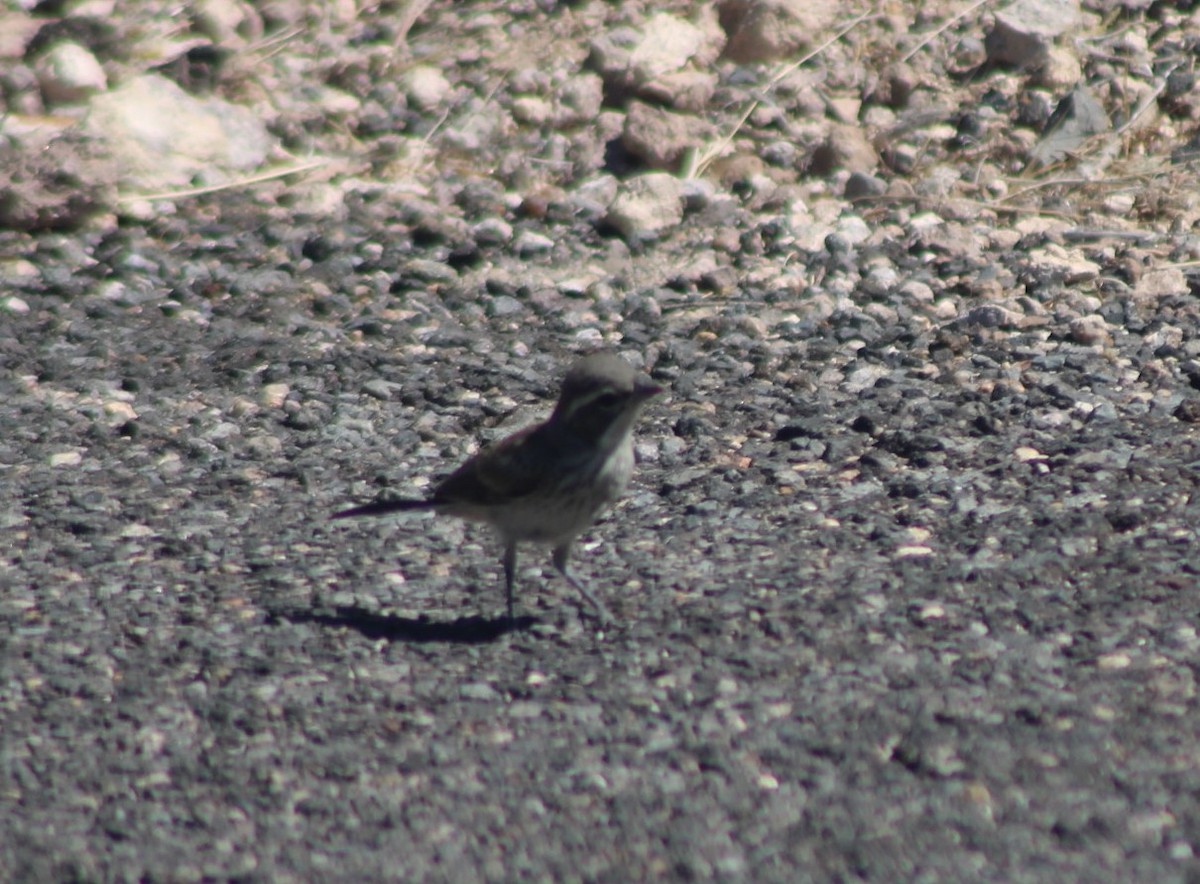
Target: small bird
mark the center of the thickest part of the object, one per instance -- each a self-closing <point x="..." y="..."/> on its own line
<point x="548" y="482"/>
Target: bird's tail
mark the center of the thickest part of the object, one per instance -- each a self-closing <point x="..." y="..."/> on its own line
<point x="383" y="507"/>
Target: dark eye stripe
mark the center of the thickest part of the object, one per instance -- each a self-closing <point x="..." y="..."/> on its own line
<point x="603" y="399"/>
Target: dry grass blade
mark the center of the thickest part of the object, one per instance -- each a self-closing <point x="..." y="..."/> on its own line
<point x="698" y="163"/>
<point x="408" y="16"/>
<point x="949" y="23"/>
<point x="228" y="185"/>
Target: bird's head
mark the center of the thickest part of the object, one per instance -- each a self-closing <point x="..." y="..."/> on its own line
<point x="601" y="397"/>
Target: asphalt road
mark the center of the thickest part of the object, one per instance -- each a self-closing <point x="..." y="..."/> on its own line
<point x="893" y="604"/>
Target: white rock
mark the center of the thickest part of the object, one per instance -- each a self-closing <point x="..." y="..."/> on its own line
<point x="580" y="99"/>
<point x="67" y="458"/>
<point x="879" y="281"/>
<point x="685" y="90"/>
<point x="532" y="110"/>
<point x="162" y="137"/>
<point x="916" y="292"/>
<point x="647" y="205"/>
<point x="273" y="395"/>
<point x="425" y="86"/>
<point x="667" y="44"/>
<point x="1024" y="31"/>
<point x="335" y="102"/>
<point x="1061" y="69"/>
<point x="530" y="243"/>
<point x="17" y="268"/>
<point x="117" y="412"/>
<point x="69" y="73"/>
<point x="492" y="231"/>
<point x="853" y="229"/>
<point x="864" y="377"/>
<point x="1157" y="283"/>
<point x="1070" y="262"/>
<point x="227" y="22"/>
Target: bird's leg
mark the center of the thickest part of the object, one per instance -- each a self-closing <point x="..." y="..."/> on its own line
<point x="560" y="558"/>
<point x="510" y="572"/>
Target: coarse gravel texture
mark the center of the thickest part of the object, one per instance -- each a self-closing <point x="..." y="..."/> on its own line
<point x="905" y="581"/>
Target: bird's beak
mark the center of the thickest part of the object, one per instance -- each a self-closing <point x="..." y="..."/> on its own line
<point x="646" y="389"/>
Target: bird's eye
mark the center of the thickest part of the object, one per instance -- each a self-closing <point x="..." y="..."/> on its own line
<point x="608" y="400"/>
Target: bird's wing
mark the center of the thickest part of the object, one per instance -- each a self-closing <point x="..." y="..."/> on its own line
<point x="512" y="469"/>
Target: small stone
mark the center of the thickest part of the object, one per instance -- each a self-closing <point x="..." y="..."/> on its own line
<point x="646" y="206"/>
<point x="845" y="109"/>
<point x="1160" y="283"/>
<point x="118" y="412"/>
<point x="68" y="73"/>
<point x="1073" y="266"/>
<point x="1114" y="661"/>
<point x="1060" y="70"/>
<point x="863" y="185"/>
<point x="846" y="147"/>
<point x="492" y="232"/>
<point x="686" y="90"/>
<point x="264" y="447"/>
<point x="579" y="100"/>
<point x="768" y="30"/>
<point x="915" y="292"/>
<point x="767" y="781"/>
<point x="1188" y="411"/>
<point x="430" y="271"/>
<point x="17" y="268"/>
<point x="478" y="691"/>
<point x="991" y="316"/>
<point x="425" y="86"/>
<point x="505" y="305"/>
<point x="378" y="388"/>
<point x="1024" y="31"/>
<point x="668" y="43"/>
<point x="659" y="137"/>
<point x="530" y="243"/>
<point x="227" y="22"/>
<point x="532" y="110"/>
<point x="274" y="395"/>
<point x="1151" y="826"/>
<point x="782" y="154"/>
<point x="1089" y="330"/>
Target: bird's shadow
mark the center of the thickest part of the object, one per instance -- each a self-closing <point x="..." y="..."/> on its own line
<point x="418" y="630"/>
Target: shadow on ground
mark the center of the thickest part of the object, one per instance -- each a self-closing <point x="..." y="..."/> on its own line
<point x="373" y="625"/>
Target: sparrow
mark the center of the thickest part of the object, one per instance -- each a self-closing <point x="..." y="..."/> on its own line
<point x="547" y="484"/>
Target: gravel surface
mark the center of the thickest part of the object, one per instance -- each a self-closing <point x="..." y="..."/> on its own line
<point x="904" y="581"/>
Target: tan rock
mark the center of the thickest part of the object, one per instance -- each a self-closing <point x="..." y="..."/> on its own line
<point x="659" y="137"/>
<point x="1159" y="283"/>
<point x="647" y="205"/>
<point x="847" y="147"/>
<point x="767" y="30"/>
